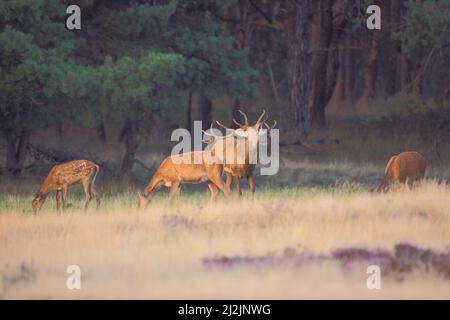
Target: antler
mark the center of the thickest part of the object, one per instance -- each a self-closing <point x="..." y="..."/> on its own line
<point x="219" y="137"/>
<point x="223" y="126"/>
<point x="216" y="136"/>
<point x="261" y="116"/>
<point x="270" y="127"/>
<point x="237" y="123"/>
<point x="245" y="118"/>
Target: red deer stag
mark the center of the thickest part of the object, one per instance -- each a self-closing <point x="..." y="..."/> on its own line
<point x="238" y="170"/>
<point x="62" y="176"/>
<point x="406" y="167"/>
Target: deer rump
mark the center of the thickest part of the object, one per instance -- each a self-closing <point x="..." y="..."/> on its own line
<point x="173" y="172"/>
<point x="406" y="167"/>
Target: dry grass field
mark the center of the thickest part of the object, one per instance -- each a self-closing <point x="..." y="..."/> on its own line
<point x="291" y="243"/>
<point x="328" y="92"/>
<point x="311" y="233"/>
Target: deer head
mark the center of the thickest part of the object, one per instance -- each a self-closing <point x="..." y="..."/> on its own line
<point x="142" y="200"/>
<point x="247" y="134"/>
<point x="37" y="202"/>
<point x="243" y="129"/>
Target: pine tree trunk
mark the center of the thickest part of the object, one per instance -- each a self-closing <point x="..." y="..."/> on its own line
<point x="388" y="50"/>
<point x="298" y="36"/>
<point x="240" y="11"/>
<point x="349" y="65"/>
<point x="206" y="112"/>
<point x="371" y="70"/>
<point x="333" y="65"/>
<point x="337" y="95"/>
<point x="357" y="57"/>
<point x="402" y="80"/>
<point x="320" y="65"/>
<point x="189" y="112"/>
<point x="130" y="140"/>
<point x="404" y="72"/>
<point x="16" y="151"/>
<point x="101" y="131"/>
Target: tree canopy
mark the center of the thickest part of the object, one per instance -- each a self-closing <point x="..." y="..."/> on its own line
<point x="136" y="62"/>
<point x="129" y="61"/>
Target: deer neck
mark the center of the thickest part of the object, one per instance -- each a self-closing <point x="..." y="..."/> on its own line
<point x="45" y="189"/>
<point x="241" y="150"/>
<point x="42" y="194"/>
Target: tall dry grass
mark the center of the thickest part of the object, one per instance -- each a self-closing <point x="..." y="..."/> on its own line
<point x="160" y="252"/>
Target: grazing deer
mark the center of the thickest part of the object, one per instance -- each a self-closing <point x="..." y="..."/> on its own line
<point x="406" y="167"/>
<point x="238" y="170"/>
<point x="173" y="172"/>
<point x="62" y="176"/>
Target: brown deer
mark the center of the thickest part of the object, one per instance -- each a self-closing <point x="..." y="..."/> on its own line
<point x="238" y="170"/>
<point x="62" y="176"/>
<point x="173" y="172"/>
<point x="406" y="167"/>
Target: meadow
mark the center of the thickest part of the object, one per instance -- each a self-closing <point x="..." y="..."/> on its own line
<point x="311" y="232"/>
<point x="345" y="99"/>
<point x="290" y="243"/>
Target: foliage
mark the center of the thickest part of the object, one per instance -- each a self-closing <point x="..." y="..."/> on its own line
<point x="427" y="25"/>
<point x="135" y="60"/>
<point x="29" y="81"/>
<point x="130" y="60"/>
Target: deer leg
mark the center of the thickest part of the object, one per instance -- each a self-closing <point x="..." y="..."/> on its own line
<point x="228" y="181"/>
<point x="58" y="200"/>
<point x="237" y="184"/>
<point x="177" y="192"/>
<point x="213" y="188"/>
<point x="64" y="196"/>
<point x="174" y="191"/>
<point x="408" y="183"/>
<point x="95" y="194"/>
<point x="419" y="180"/>
<point x="215" y="178"/>
<point x="251" y="185"/>
<point x="87" y="191"/>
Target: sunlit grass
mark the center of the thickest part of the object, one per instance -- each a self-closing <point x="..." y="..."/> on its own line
<point x="158" y="252"/>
